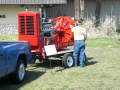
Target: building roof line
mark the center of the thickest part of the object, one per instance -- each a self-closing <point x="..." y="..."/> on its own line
<point x="33" y="1"/>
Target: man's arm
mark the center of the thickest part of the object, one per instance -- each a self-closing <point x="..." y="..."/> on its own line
<point x="85" y="34"/>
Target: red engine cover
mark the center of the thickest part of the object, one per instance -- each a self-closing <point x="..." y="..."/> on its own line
<point x="63" y="31"/>
<point x="29" y="29"/>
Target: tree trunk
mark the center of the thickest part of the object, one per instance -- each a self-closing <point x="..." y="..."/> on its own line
<point x="97" y="12"/>
<point x="77" y="9"/>
<point x="81" y="9"/>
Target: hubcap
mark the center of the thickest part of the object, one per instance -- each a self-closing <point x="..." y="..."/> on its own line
<point x="69" y="61"/>
<point x="21" y="71"/>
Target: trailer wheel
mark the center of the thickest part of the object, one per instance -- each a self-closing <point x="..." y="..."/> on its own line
<point x="19" y="74"/>
<point x="68" y="60"/>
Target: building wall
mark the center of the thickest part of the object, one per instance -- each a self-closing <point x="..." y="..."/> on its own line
<point x="65" y="9"/>
<point x="10" y="11"/>
<point x="8" y="24"/>
<point x="89" y="12"/>
<point x="56" y="10"/>
<point x="68" y="9"/>
<point x="110" y="12"/>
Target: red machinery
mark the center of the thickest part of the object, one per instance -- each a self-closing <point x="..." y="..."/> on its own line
<point x="29" y="29"/>
<point x="64" y="33"/>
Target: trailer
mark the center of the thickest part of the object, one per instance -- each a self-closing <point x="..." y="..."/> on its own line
<point x="44" y="40"/>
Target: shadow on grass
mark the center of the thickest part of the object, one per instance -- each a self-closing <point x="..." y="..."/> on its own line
<point x="50" y="64"/>
<point x="89" y="58"/>
<point x="90" y="61"/>
<point x="6" y="84"/>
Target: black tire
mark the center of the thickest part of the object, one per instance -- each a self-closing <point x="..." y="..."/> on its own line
<point x="20" y="72"/>
<point x="68" y="60"/>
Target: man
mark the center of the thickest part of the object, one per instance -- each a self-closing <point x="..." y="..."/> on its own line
<point x="80" y="36"/>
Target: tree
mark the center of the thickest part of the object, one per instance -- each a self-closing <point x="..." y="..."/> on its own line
<point x="79" y="9"/>
<point x="97" y="12"/>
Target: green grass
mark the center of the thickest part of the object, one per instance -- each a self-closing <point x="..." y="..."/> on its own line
<point x="100" y="42"/>
<point x="101" y="73"/>
<point x="103" y="42"/>
<point x="8" y="37"/>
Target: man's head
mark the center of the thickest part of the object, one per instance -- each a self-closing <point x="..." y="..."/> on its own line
<point x="77" y="23"/>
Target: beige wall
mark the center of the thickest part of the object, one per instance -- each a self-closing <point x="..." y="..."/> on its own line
<point x="8" y="25"/>
<point x="11" y="13"/>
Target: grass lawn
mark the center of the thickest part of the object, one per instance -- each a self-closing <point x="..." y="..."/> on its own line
<point x="8" y="37"/>
<point x="101" y="73"/>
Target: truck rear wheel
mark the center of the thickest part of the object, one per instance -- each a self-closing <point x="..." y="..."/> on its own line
<point x="68" y="60"/>
<point x="19" y="74"/>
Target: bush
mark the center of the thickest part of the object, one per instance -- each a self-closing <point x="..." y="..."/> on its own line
<point x="106" y="29"/>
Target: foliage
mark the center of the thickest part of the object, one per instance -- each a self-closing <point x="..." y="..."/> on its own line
<point x="106" y="28"/>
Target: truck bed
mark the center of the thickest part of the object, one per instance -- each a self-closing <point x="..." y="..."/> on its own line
<point x="6" y="44"/>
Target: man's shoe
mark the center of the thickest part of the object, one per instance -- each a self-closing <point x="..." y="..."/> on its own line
<point x="75" y="65"/>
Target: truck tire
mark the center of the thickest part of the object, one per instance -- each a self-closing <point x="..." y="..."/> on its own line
<point x="68" y="60"/>
<point x="19" y="74"/>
